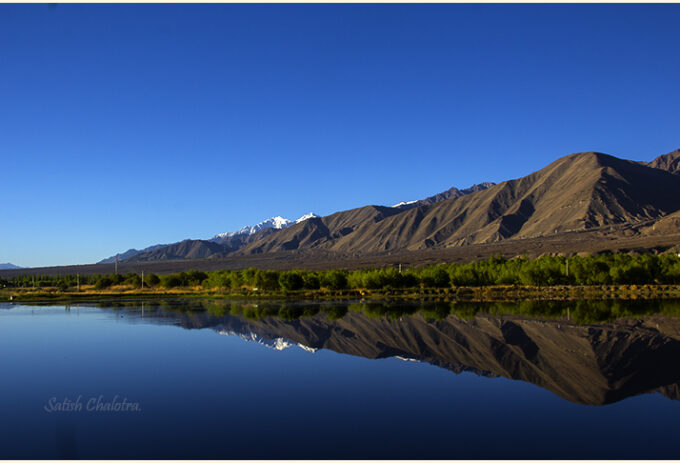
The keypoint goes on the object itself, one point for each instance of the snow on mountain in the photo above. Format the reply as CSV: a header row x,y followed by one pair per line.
x,y
405,203
277,223
309,215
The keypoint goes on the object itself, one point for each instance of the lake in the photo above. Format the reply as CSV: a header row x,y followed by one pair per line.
x,y
234,380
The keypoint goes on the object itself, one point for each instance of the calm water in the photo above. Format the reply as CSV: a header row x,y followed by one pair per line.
x,y
239,380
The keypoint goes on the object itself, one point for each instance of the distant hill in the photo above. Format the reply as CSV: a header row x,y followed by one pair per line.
x,y
8,266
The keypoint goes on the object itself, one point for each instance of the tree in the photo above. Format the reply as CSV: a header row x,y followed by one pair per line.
x,y
171,281
291,281
311,281
435,277
334,279
151,279
267,279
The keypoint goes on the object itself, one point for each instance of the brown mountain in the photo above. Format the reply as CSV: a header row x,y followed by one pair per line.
x,y
321,231
187,249
310,231
452,192
577,192
235,242
669,162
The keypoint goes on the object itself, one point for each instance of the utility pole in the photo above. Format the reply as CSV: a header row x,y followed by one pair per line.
x,y
142,279
567,267
78,281
116,267
33,281
399,268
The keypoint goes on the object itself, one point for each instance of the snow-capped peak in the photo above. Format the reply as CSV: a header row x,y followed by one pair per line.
x,y
275,222
309,215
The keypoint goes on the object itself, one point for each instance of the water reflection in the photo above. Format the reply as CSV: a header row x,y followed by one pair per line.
x,y
564,351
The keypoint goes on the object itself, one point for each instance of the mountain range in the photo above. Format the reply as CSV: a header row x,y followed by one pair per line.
x,y
188,249
576,193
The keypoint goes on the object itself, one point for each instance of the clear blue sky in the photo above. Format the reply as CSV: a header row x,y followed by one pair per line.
x,y
129,125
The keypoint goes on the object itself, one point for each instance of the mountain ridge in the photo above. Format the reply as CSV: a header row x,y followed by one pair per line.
x,y
452,192
669,162
234,241
574,193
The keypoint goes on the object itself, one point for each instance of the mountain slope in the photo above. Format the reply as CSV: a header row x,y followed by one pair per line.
x,y
452,192
669,162
576,192
187,249
320,230
274,222
130,253
228,242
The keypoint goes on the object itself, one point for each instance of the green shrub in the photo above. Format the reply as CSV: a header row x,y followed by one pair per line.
x,y
103,283
171,281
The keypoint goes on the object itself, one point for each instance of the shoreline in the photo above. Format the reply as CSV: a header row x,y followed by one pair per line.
x,y
462,293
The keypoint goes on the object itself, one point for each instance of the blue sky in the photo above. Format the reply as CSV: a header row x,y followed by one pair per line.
x,y
129,125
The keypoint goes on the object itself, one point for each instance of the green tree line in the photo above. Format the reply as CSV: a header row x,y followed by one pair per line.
x,y
605,269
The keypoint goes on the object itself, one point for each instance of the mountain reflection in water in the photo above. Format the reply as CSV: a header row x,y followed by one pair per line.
x,y
586,363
